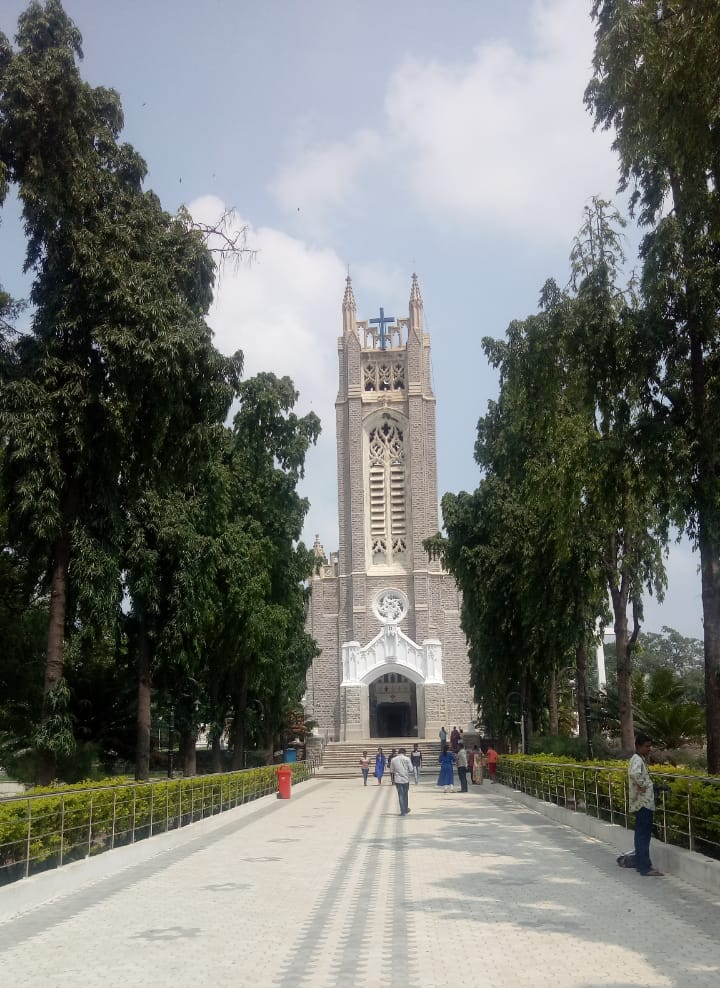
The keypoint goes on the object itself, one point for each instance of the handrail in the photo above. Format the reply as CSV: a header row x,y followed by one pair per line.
x,y
39,831
687,812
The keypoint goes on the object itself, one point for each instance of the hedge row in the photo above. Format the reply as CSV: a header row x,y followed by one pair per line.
x,y
687,811
51,826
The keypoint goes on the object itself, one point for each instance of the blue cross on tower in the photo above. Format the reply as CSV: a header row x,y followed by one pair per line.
x,y
382,322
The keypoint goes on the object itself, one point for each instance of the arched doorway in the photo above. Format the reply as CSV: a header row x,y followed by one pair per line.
x,y
393,707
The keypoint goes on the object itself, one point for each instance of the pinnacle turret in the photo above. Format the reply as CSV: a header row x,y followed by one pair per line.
x,y
416,306
318,550
348,307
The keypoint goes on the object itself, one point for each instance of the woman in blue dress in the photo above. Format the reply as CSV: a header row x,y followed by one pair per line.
x,y
380,763
445,779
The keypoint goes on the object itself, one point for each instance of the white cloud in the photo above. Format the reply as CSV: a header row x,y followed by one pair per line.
x,y
281,308
322,179
502,140
284,311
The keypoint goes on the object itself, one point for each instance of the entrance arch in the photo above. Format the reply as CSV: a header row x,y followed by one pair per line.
x,y
393,707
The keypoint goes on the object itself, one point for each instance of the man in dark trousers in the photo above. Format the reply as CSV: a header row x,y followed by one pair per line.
x,y
642,804
402,767
462,766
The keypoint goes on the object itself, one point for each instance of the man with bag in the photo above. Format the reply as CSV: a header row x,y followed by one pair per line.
x,y
642,804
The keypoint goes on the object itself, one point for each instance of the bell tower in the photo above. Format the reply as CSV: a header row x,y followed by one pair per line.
x,y
399,663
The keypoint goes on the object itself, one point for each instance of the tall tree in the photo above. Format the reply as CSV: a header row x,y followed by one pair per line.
x,y
656,84
621,496
272,651
565,505
119,359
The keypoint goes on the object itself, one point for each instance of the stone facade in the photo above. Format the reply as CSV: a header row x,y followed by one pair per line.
x,y
394,658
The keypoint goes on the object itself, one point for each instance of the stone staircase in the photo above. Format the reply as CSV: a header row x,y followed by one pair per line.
x,y
341,759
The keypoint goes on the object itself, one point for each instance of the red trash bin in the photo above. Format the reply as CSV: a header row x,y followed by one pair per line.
x,y
284,781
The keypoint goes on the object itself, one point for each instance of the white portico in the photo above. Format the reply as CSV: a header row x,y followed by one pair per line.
x,y
391,671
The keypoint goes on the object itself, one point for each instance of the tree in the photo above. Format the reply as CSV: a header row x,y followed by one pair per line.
x,y
664,711
119,363
565,505
667,650
23,626
517,546
271,650
621,495
655,83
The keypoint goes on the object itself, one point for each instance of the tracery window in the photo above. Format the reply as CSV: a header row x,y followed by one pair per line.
x,y
388,521
384,377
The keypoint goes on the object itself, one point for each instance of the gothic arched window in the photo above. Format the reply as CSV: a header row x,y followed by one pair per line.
x,y
386,472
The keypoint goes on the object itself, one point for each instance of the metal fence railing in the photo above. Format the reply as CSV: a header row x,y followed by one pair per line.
x,y
687,807
48,830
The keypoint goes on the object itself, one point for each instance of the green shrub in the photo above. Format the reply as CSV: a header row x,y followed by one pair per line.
x,y
64,822
687,815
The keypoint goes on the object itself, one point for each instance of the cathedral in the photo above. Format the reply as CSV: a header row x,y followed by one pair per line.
x,y
393,659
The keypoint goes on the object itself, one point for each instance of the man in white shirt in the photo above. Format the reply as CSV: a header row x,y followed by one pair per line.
x,y
403,770
642,804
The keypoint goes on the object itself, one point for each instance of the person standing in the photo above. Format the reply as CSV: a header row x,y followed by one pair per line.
x,y
442,734
365,767
462,766
402,770
475,759
380,763
416,759
642,804
454,739
492,757
446,778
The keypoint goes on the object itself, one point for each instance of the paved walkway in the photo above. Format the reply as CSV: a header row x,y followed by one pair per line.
x,y
334,888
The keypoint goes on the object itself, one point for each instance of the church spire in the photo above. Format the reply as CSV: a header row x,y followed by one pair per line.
x,y
416,306
348,308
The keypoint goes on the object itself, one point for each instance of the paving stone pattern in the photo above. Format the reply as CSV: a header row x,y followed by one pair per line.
x,y
335,888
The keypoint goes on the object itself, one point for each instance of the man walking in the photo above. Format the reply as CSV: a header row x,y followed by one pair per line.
x,y
402,767
462,766
642,804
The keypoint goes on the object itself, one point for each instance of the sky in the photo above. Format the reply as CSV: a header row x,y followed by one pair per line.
x,y
380,138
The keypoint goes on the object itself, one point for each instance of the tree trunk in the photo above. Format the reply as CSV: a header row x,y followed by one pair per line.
x,y
215,720
710,570
241,695
619,585
705,441
238,737
624,680
188,742
270,740
216,755
144,705
54,657
553,705
56,624
581,688
702,323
